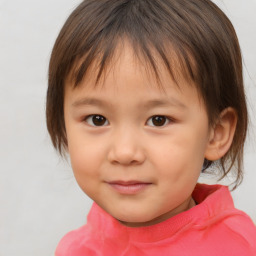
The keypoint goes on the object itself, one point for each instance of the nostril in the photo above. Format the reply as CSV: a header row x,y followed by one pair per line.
x,y
125,157
124,160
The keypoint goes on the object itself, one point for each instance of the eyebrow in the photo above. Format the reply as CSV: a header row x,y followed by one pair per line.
x,y
146,104
164,102
90,101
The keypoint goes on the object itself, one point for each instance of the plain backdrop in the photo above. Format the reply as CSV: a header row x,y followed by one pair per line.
x,y
39,198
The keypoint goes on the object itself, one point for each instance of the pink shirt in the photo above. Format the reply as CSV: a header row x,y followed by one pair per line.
x,y
211,228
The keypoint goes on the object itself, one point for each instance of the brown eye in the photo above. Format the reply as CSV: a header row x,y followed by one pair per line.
x,y
157,121
97,120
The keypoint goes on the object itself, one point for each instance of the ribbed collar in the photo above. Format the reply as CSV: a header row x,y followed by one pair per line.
x,y
212,200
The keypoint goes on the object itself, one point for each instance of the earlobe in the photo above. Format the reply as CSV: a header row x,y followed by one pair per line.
x,y
221,135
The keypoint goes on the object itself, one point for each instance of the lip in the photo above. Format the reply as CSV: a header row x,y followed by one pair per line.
x,y
129,187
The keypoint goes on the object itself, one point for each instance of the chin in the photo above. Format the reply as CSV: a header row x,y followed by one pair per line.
x,y
134,219
131,215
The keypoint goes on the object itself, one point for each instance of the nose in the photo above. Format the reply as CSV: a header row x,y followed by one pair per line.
x,y
126,148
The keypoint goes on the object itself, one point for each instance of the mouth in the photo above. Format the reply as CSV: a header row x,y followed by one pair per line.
x,y
129,187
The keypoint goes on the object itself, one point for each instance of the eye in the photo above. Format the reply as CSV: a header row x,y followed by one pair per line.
x,y
158,121
96,120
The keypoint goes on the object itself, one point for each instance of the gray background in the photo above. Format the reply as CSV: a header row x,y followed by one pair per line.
x,y
39,198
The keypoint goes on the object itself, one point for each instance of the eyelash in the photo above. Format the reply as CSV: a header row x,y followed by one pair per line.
x,y
159,118
91,119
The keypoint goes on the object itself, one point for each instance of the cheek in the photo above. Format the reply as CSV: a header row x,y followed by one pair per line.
x,y
83,149
182,153
85,165
84,160
83,154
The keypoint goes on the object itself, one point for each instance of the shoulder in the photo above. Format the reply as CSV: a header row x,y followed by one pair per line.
x,y
233,232
223,227
240,225
73,243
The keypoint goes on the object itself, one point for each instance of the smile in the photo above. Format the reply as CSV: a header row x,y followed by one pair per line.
x,y
129,187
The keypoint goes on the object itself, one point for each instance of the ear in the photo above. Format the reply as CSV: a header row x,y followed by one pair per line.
x,y
221,135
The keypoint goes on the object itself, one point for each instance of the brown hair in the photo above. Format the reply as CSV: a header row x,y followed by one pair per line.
x,y
197,31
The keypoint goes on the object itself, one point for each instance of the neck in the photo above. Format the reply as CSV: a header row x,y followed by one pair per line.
x,y
188,204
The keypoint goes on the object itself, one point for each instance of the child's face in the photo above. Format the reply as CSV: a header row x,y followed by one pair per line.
x,y
136,150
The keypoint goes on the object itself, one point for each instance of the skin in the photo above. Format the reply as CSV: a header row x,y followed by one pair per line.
x,y
128,146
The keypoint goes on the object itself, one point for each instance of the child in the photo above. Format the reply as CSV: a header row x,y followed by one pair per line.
x,y
143,95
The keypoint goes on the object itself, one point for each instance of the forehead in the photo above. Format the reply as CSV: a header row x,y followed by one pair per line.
x,y
127,74
151,66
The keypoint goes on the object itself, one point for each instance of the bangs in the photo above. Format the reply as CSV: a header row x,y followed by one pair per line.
x,y
191,39
153,52
156,30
